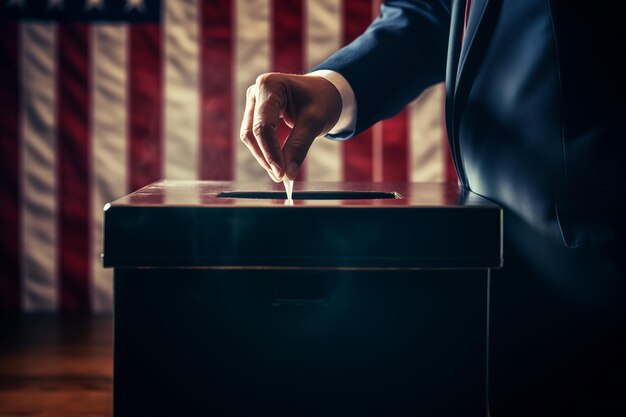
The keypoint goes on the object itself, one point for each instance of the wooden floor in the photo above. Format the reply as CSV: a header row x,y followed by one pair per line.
x,y
53,366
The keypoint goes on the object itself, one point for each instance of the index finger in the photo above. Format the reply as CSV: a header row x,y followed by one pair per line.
x,y
246,135
270,101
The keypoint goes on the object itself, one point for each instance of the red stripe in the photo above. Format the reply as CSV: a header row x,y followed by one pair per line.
x,y
395,153
216,135
9,168
287,46
287,36
395,132
145,105
358,155
73,169
448,162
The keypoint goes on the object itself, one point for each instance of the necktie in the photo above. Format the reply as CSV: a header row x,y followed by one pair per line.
x,y
468,5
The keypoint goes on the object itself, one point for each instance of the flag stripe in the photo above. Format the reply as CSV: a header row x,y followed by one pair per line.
x,y
73,169
109,138
287,47
395,153
358,152
182,89
217,138
145,104
377,151
378,132
9,168
427,141
287,36
38,162
252,58
448,162
120,104
324,28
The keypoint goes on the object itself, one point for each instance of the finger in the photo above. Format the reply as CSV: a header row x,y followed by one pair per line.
x,y
297,146
245,132
270,101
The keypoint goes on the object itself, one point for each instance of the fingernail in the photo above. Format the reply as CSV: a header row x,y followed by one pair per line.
x,y
275,170
292,171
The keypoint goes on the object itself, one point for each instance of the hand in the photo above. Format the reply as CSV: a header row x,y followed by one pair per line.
x,y
310,106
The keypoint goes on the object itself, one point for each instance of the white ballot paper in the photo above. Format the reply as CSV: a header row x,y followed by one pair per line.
x,y
289,189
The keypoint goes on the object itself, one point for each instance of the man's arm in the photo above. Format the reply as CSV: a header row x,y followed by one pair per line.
x,y
402,53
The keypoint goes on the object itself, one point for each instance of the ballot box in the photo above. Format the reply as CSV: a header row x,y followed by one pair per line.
x,y
357,300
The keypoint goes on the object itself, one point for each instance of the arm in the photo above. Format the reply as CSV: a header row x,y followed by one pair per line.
x,y
402,53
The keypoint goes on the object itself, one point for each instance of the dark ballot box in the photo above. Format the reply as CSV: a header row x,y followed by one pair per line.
x,y
357,300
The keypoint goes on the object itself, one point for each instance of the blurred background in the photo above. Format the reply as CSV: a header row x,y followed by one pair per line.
x,y
101,97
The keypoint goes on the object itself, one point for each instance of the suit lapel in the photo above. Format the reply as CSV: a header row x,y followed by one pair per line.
x,y
454,51
462,58
477,13
483,17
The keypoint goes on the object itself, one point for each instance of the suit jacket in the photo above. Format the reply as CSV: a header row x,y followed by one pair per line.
x,y
534,100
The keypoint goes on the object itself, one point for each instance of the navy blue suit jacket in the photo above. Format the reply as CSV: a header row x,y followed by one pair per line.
x,y
534,100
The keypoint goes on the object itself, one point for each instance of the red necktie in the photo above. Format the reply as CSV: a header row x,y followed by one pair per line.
x,y
468,5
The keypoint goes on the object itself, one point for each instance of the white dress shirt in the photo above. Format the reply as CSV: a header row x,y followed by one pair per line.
x,y
344,128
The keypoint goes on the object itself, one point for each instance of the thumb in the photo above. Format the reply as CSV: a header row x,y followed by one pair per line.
x,y
297,146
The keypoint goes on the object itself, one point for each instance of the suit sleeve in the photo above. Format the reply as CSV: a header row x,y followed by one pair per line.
x,y
399,55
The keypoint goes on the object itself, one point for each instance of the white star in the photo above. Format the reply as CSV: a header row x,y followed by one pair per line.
x,y
138,5
20,4
55,4
94,4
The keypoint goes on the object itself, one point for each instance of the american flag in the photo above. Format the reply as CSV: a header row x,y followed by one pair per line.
x,y
101,97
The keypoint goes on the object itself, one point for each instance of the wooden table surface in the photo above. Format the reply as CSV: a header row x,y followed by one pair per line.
x,y
56,366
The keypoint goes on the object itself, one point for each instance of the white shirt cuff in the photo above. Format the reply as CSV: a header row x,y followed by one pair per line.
x,y
347,120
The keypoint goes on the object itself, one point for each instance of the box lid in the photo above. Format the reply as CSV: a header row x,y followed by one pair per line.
x,y
330,225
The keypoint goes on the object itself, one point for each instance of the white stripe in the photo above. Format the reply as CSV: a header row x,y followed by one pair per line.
x,y
182,89
427,139
38,179
377,129
252,58
109,143
324,28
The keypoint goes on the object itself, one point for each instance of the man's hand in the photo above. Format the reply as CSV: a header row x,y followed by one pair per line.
x,y
310,106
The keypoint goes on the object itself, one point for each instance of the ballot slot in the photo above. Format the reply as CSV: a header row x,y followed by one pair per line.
x,y
312,195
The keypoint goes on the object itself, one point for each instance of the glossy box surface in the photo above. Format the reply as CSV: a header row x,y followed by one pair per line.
x,y
340,305
190,224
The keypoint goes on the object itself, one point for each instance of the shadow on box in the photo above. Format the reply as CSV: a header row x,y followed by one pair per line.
x,y
307,343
